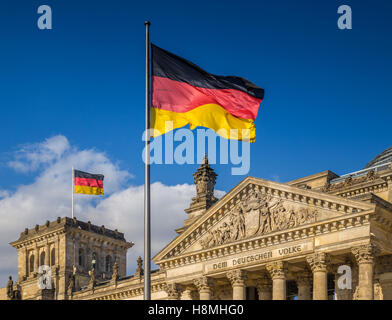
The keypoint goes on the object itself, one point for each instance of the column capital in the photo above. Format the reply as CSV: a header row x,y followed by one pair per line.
x,y
173,290
365,253
203,283
318,261
237,277
277,269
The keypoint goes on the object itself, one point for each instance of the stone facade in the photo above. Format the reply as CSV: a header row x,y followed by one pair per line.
x,y
69,249
263,240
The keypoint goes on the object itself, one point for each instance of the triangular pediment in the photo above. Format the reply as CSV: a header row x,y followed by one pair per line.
x,y
256,207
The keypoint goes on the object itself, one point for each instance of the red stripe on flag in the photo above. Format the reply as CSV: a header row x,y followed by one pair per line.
x,y
182,97
89,182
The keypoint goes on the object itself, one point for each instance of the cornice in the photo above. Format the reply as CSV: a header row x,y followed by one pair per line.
x,y
277,238
117,293
38,238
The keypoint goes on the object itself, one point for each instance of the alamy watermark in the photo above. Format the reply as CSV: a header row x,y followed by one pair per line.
x,y
45,277
345,20
45,20
179,147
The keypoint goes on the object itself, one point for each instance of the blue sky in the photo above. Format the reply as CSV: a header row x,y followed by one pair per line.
x,y
327,100
327,91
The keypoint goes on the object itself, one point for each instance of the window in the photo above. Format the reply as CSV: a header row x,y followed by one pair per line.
x,y
108,264
31,269
53,257
42,258
81,257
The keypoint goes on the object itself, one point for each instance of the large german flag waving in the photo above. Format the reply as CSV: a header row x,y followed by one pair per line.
x,y
185,94
88,183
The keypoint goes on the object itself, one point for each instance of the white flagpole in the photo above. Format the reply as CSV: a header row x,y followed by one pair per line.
x,y
73,190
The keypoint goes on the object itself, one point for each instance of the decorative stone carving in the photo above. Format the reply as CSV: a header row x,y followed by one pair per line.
x,y
203,283
257,214
115,275
204,179
378,295
348,181
237,277
92,281
277,269
173,290
71,285
371,175
365,253
10,288
318,261
139,269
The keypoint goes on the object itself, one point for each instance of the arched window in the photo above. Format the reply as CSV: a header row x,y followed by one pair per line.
x,y
108,264
53,257
42,258
81,257
31,263
94,261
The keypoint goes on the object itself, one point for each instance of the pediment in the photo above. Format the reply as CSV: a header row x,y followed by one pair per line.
x,y
257,207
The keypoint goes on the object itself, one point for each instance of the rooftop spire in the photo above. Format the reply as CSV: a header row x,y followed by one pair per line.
x,y
204,179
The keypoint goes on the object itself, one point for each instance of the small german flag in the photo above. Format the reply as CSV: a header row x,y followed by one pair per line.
x,y
88,183
186,94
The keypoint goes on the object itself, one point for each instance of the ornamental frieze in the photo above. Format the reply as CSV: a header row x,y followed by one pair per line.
x,y
258,214
371,175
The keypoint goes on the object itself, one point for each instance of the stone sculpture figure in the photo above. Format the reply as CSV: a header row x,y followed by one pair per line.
x,y
256,215
10,288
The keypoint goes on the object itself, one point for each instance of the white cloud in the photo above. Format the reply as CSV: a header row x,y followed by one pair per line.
x,y
30,156
49,196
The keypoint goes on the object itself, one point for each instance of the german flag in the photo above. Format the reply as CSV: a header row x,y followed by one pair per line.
x,y
185,94
88,183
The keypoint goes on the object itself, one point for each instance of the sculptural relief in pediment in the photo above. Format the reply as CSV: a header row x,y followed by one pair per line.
x,y
258,214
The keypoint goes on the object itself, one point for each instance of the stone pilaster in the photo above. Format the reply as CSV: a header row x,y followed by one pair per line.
x,y
278,271
364,255
173,291
205,287
264,287
37,258
47,255
318,263
304,284
237,279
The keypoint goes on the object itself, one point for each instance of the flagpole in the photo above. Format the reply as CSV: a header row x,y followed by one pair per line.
x,y
73,189
147,226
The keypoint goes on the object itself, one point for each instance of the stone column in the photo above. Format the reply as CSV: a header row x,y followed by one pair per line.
x,y
204,285
264,287
278,270
173,291
304,284
237,279
364,255
318,263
